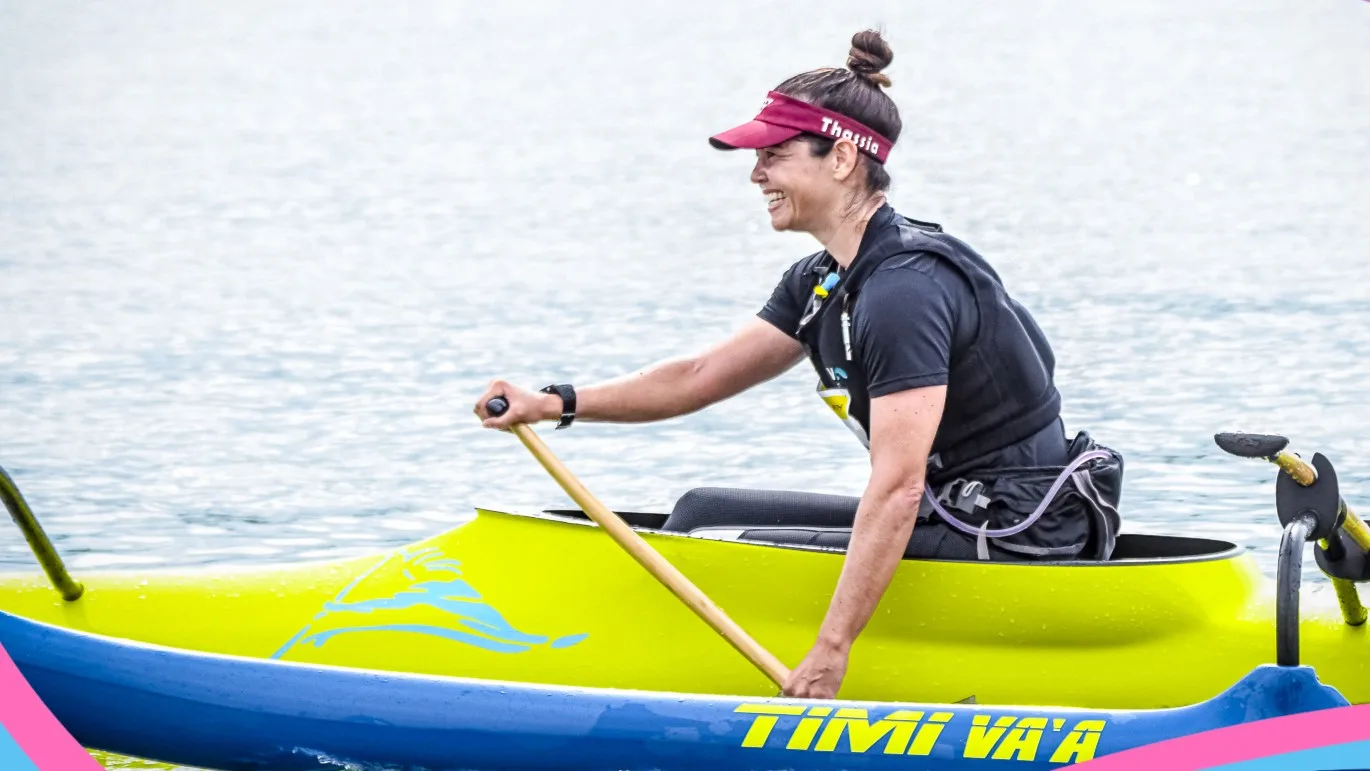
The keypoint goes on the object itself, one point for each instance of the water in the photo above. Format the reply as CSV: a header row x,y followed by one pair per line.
x,y
258,261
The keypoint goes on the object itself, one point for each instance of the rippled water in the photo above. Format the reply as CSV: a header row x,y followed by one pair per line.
x,y
258,260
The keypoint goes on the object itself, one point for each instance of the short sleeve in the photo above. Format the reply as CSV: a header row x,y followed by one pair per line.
x,y
903,326
786,305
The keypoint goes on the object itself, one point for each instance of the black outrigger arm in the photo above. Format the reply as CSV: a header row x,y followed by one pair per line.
x,y
42,548
1310,508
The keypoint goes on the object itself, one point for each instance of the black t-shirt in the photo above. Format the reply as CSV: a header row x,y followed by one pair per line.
x,y
915,315
912,315
925,310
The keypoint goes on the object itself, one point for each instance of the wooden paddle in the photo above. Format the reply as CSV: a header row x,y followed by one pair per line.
x,y
43,549
641,551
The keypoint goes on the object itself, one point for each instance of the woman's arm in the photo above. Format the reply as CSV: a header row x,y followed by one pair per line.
x,y
754,354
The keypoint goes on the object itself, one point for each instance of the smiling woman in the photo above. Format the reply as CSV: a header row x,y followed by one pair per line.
x,y
919,349
801,122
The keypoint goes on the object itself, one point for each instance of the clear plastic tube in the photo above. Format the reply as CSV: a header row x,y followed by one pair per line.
x,y
1025,524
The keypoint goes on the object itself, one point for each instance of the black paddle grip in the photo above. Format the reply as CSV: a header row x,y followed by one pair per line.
x,y
496,406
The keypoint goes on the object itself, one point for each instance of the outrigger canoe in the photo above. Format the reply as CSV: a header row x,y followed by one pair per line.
x,y
523,640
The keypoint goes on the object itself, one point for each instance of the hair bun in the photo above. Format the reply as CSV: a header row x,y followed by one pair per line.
x,y
869,55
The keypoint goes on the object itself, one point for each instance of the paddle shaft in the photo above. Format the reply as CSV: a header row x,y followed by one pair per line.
x,y
650,559
43,549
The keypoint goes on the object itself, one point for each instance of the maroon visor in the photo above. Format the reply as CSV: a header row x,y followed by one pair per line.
x,y
783,118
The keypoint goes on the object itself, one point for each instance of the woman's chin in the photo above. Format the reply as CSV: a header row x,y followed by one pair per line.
x,y
780,218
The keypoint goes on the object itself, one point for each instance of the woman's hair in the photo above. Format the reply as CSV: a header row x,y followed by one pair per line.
x,y
855,92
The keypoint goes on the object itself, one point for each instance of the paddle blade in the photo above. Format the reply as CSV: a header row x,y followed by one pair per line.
x,y
1251,445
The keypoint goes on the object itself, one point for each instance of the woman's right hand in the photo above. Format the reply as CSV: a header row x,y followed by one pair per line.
x,y
524,406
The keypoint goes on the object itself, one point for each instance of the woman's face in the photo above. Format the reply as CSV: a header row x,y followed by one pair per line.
x,y
800,188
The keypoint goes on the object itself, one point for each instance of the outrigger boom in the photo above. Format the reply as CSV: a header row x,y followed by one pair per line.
x,y
38,540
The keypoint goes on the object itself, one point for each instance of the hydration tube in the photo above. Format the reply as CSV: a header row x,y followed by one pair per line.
x,y
1025,524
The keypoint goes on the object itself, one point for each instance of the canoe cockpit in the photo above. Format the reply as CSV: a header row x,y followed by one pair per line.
x,y
1130,548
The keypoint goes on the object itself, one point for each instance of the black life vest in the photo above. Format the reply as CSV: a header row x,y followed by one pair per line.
x,y
999,389
999,393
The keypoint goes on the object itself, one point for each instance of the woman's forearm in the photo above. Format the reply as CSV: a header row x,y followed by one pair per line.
x,y
661,391
675,387
880,535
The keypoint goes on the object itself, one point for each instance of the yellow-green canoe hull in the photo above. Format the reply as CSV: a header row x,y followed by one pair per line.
x,y
552,599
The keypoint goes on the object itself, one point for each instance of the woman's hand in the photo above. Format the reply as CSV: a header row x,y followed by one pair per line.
x,y
820,674
524,406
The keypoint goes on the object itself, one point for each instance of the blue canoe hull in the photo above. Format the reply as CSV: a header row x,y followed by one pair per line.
x,y
234,713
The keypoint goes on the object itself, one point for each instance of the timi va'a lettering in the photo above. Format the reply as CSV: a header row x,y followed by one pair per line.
x,y
914,732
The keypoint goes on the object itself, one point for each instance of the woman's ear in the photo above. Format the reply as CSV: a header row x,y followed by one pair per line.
x,y
845,159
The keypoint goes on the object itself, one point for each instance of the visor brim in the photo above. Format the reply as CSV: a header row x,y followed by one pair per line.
x,y
753,135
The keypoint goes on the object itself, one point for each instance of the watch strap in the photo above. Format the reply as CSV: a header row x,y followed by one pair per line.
x,y
568,402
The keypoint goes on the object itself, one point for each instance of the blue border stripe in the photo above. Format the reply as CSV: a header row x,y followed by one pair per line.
x,y
12,757
1352,756
209,711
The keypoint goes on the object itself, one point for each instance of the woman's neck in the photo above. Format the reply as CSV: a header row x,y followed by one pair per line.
x,y
843,237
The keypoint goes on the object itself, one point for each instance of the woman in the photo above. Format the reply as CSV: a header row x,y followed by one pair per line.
x,y
919,350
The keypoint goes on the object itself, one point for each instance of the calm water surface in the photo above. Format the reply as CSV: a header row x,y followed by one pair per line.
x,y
257,261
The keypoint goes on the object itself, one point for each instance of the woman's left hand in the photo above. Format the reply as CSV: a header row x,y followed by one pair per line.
x,y
819,675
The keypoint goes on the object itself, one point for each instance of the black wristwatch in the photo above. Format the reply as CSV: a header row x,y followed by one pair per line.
x,y
568,402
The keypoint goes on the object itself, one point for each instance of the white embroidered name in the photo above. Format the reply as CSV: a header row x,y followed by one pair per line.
x,y
834,129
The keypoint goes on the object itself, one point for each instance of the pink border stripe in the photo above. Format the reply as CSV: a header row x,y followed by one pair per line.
x,y
1248,741
32,725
